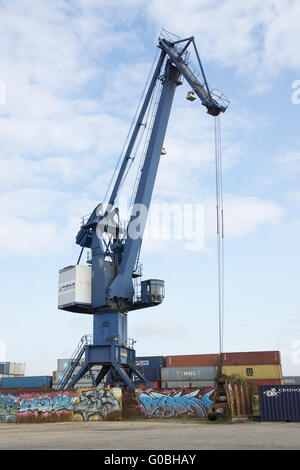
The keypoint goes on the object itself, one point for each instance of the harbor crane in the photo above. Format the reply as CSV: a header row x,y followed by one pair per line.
x,y
109,285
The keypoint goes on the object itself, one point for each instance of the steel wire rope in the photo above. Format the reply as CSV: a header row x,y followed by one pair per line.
x,y
130,129
220,232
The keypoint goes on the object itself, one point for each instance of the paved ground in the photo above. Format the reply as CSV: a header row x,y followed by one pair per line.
x,y
150,435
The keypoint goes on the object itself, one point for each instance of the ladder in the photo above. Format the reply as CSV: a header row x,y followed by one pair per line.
x,y
74,362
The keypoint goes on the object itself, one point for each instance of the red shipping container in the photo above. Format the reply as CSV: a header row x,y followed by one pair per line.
x,y
229,359
194,360
252,357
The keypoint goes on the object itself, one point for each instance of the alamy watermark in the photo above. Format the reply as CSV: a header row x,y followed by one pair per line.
x,y
296,93
162,222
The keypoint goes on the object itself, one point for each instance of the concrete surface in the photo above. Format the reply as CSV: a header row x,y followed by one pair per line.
x,y
149,435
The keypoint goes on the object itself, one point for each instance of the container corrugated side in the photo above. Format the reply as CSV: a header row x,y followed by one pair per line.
x,y
63,364
26,382
16,368
84,381
251,357
154,362
12,368
188,373
193,360
291,380
279,403
271,371
4,367
150,374
229,358
188,384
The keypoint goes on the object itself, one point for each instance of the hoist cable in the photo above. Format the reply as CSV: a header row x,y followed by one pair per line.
x,y
137,145
130,130
220,232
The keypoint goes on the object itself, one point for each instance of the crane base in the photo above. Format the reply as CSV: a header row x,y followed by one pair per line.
x,y
118,366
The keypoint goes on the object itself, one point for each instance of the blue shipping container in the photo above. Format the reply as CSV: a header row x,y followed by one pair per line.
x,y
154,362
4,367
38,381
150,367
150,374
279,402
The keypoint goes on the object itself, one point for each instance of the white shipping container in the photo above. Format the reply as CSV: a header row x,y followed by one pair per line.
x,y
85,381
63,364
16,368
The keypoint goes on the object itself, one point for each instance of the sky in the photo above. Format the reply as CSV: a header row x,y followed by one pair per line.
x,y
71,76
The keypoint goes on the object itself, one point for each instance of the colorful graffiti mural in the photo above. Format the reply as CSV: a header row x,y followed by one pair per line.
x,y
53,406
104,404
176,403
8,408
167,403
79,405
98,405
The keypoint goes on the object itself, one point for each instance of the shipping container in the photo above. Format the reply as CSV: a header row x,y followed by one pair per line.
x,y
279,403
291,380
252,357
231,358
172,374
63,364
4,367
188,384
149,367
150,374
85,380
26,382
271,371
16,368
194,360
154,362
12,368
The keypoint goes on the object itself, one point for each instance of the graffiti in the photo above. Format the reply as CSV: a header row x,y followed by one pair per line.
x,y
171,404
98,404
53,406
47,403
101,404
8,407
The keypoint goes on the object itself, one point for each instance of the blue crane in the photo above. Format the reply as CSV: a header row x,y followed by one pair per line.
x,y
106,286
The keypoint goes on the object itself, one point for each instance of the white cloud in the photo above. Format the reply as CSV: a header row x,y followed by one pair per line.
x,y
257,38
64,121
242,215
